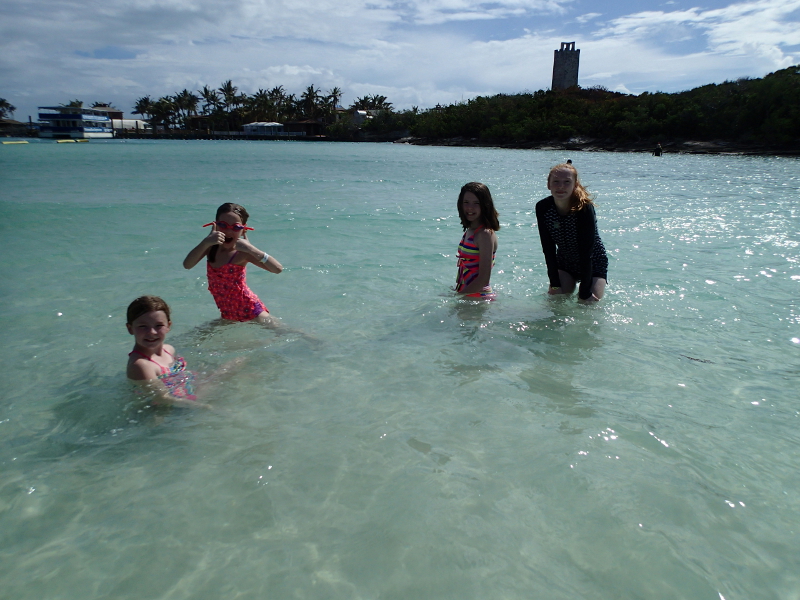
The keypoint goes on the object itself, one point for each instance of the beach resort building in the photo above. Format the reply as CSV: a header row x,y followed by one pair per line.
x,y
74,122
263,128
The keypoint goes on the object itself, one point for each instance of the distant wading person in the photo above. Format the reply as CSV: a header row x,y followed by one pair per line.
x,y
571,243
479,243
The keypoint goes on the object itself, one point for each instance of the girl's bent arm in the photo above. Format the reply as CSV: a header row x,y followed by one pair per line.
x,y
256,257
156,389
548,245
198,252
195,255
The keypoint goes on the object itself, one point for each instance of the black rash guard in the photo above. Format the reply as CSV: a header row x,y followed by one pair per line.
x,y
571,243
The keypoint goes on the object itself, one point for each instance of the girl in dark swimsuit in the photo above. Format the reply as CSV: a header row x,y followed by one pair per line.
x,y
571,243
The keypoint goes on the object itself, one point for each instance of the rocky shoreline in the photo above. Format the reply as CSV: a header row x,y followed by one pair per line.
x,y
594,145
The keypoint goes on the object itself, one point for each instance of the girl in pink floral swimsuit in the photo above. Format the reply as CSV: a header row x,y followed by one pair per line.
x,y
228,251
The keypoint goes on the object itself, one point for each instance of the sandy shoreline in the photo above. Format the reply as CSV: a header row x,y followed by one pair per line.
x,y
594,145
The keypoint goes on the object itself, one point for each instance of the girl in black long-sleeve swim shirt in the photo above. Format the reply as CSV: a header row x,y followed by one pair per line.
x,y
571,244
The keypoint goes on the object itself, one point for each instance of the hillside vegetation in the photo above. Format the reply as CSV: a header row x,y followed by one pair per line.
x,y
756,111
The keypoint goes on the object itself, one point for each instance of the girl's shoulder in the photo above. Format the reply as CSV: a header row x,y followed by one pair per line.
x,y
484,235
545,203
140,368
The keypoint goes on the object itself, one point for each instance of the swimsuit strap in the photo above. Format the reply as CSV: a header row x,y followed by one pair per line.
x,y
235,252
162,367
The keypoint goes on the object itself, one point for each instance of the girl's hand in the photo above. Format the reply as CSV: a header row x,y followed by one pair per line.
x,y
215,238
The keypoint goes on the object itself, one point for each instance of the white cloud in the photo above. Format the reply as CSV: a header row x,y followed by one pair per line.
x,y
416,52
738,29
588,17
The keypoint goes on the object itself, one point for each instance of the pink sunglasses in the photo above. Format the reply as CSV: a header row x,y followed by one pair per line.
x,y
223,225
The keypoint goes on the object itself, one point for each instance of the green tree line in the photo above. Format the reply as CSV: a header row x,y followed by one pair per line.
x,y
765,110
749,110
225,108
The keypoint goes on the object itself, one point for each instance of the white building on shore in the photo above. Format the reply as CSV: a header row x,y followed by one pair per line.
x,y
74,122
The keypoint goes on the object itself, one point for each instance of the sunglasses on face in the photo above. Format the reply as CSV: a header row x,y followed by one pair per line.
x,y
223,226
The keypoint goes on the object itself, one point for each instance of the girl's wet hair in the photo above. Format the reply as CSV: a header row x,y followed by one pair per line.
x,y
226,208
145,304
580,195
489,216
234,208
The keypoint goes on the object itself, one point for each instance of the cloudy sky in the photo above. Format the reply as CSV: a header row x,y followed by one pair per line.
x,y
415,52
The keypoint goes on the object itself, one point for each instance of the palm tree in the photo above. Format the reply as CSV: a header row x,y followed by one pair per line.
x,y
330,102
279,99
228,91
261,107
186,101
335,96
6,109
143,106
290,107
375,102
210,99
308,103
163,112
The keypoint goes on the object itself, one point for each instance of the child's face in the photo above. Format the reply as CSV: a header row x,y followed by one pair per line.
x,y
150,330
561,184
231,218
471,207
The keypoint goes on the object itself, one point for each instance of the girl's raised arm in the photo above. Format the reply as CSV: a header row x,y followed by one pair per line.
x,y
198,252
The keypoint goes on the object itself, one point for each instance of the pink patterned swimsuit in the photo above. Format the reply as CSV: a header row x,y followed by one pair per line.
x,y
235,300
177,379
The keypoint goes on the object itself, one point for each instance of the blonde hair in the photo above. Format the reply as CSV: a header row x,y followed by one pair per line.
x,y
580,195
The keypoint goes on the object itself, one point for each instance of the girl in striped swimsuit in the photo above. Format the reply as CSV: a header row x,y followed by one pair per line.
x,y
478,246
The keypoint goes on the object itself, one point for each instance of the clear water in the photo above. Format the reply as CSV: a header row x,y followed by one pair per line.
x,y
645,447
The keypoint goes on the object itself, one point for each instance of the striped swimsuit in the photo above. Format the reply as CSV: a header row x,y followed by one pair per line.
x,y
468,265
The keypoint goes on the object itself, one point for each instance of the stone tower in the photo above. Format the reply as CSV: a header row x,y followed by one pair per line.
x,y
565,66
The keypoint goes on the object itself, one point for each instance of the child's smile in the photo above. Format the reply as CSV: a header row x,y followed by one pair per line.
x,y
150,330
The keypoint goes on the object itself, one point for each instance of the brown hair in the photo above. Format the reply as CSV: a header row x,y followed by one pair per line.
x,y
225,208
146,304
489,216
580,195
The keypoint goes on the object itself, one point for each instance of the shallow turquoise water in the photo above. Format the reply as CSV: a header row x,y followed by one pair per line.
x,y
645,447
